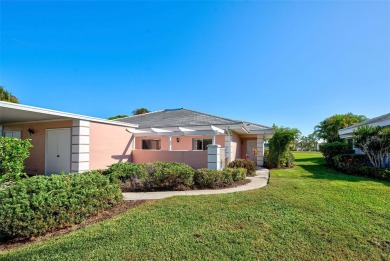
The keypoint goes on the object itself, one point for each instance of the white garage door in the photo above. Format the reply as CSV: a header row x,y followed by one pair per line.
x,y
58,145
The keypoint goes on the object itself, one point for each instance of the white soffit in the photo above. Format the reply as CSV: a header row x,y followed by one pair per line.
x,y
185,129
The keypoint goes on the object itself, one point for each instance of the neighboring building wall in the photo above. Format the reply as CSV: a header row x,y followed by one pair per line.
x,y
109,144
196,159
185,142
35,164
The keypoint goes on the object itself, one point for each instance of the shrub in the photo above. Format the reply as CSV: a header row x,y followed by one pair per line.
x,y
279,146
126,170
13,153
348,160
329,150
374,141
285,161
247,164
236,174
368,171
209,178
36,205
169,175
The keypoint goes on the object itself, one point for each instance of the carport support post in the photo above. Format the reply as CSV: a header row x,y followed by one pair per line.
x,y
214,157
260,150
170,142
80,146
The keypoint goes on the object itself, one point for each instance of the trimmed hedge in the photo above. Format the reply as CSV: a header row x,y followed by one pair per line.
x,y
359,165
332,149
207,178
247,164
152,176
132,176
40,204
169,175
237,174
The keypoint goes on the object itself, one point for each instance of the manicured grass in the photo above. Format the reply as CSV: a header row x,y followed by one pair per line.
x,y
309,212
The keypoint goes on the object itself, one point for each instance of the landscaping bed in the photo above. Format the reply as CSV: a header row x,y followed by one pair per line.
x,y
100,216
174,176
34,206
233,185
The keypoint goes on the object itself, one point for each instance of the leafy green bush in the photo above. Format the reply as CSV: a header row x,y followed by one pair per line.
x,y
126,170
330,150
285,161
359,165
169,175
348,160
374,141
13,153
40,204
208,178
247,164
279,147
368,171
236,174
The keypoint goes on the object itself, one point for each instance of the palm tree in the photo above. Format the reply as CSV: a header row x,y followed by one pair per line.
x,y
7,96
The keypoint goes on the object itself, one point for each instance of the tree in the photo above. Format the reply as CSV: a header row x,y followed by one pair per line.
x,y
374,141
309,142
328,129
7,96
117,117
279,146
140,111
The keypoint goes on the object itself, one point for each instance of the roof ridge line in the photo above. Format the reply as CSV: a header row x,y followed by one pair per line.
x,y
208,114
132,116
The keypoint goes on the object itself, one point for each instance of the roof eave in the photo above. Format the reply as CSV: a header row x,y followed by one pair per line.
x,y
61,114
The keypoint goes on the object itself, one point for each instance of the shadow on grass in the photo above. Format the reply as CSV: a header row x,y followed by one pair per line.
x,y
314,159
324,172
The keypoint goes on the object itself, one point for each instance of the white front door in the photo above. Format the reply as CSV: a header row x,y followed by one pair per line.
x,y
58,146
250,149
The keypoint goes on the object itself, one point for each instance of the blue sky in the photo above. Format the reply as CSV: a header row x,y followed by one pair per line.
x,y
292,63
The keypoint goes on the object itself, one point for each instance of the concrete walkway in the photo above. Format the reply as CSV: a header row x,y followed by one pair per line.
x,y
258,181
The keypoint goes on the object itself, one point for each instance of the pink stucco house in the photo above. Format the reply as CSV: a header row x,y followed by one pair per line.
x,y
66,142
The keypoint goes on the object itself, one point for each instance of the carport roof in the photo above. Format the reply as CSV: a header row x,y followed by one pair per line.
x,y
12,113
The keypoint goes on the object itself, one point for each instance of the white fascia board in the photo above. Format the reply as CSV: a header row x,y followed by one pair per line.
x,y
22,107
138,131
348,132
160,130
177,133
265,131
216,129
185,129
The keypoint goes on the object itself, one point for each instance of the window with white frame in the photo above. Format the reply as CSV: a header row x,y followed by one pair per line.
x,y
13,134
151,144
201,144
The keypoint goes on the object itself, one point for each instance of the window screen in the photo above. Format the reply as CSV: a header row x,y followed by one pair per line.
x,y
151,144
201,144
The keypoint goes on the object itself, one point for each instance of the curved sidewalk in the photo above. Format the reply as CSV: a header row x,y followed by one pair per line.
x,y
258,181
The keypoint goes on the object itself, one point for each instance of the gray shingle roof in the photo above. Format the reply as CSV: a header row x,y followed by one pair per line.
x,y
182,118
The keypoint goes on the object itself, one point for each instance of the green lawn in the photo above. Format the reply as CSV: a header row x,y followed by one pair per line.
x,y
309,212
